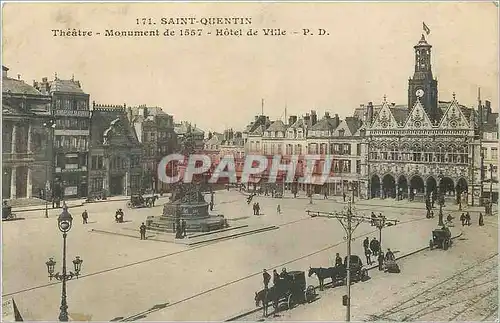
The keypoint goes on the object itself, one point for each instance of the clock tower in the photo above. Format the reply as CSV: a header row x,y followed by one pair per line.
x,y
423,86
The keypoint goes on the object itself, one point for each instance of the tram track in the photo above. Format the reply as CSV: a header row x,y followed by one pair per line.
x,y
448,292
277,266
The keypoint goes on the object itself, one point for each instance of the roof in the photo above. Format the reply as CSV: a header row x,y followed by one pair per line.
x,y
17,87
183,127
324,124
400,114
258,131
67,86
101,121
298,124
491,124
353,124
277,125
234,142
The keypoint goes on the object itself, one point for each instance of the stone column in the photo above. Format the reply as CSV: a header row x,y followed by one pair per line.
x,y
425,192
29,185
106,178
13,178
409,192
397,191
381,192
14,136
28,145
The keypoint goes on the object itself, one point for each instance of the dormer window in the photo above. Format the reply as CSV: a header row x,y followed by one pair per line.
x,y
341,133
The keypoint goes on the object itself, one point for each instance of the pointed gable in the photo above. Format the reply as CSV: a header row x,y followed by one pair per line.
x,y
385,118
454,117
342,130
418,118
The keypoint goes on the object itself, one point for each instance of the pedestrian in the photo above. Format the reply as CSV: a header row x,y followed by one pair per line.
x,y
85,216
467,218
267,279
257,208
211,206
142,230
462,219
366,243
368,256
278,209
338,260
380,261
481,219
326,195
389,256
343,196
374,246
183,228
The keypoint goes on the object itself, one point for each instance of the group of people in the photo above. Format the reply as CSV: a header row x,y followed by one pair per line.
x,y
180,229
256,208
277,278
119,216
371,248
465,219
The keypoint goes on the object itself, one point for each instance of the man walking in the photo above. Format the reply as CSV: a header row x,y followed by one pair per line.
x,y
374,246
85,216
183,228
481,219
366,243
142,230
278,209
467,218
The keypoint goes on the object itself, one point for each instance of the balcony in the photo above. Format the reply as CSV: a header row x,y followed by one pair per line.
x,y
19,157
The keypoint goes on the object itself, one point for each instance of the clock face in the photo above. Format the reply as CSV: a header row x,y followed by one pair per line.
x,y
419,93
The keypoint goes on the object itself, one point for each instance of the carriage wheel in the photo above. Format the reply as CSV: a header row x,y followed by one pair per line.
x,y
289,301
310,293
431,245
129,204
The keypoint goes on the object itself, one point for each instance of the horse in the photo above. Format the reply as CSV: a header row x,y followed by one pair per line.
x,y
265,297
333,273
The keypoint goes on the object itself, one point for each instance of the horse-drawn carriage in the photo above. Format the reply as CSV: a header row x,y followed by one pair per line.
x,y
291,289
138,201
338,274
441,238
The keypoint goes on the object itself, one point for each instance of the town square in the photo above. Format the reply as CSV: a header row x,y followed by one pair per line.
x,y
276,176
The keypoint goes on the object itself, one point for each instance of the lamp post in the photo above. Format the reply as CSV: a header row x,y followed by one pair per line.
x,y
441,200
64,222
50,125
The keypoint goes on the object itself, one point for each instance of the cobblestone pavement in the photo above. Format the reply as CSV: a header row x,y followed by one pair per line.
x,y
124,276
460,284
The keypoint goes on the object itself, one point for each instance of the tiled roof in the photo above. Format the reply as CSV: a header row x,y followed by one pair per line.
x,y
101,121
324,124
17,87
277,125
258,131
298,124
67,86
400,114
182,128
353,124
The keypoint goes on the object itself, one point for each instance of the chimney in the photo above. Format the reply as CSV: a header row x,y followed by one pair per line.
x,y
78,84
314,118
19,76
44,80
336,121
256,118
488,105
327,115
4,71
307,120
370,113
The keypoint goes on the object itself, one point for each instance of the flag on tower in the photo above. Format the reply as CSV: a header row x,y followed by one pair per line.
x,y
426,29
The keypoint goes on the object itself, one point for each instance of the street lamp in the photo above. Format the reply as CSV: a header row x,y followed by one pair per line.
x,y
50,125
441,200
64,222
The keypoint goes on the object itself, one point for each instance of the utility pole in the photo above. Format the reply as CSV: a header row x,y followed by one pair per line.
x,y
349,220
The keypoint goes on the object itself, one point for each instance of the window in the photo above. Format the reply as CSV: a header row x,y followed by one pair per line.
x,y
358,166
494,153
347,149
341,133
358,149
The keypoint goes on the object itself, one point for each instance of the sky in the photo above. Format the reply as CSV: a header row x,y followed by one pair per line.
x,y
218,82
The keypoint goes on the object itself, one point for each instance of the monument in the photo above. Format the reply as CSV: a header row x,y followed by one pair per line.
x,y
187,204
